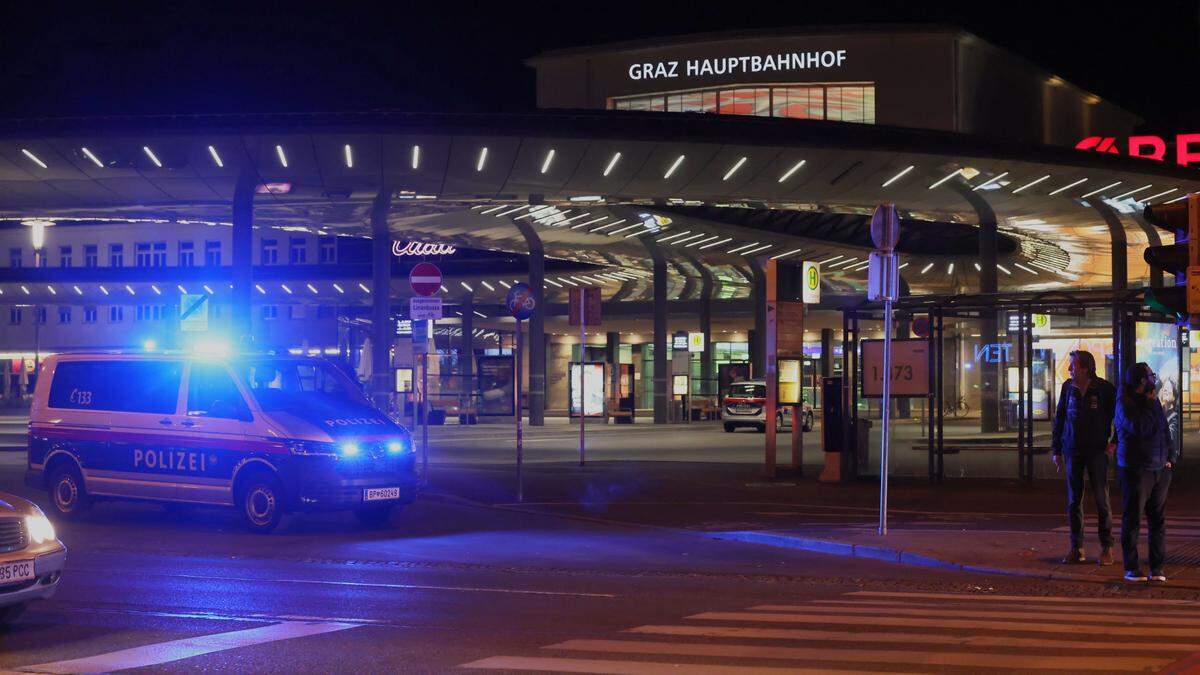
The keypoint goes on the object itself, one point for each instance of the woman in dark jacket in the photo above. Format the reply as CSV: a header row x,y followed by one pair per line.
x,y
1145,457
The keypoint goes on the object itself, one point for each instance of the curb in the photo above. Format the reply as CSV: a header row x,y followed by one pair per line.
x,y
902,557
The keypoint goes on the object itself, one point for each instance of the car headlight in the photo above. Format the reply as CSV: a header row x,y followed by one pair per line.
x,y
39,528
313,448
398,446
350,449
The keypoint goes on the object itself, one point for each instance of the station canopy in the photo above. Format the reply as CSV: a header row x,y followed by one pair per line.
x,y
602,188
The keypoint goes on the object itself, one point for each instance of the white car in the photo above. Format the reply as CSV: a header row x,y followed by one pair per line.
x,y
31,556
745,406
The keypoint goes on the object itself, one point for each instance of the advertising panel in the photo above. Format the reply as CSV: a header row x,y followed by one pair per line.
x,y
496,377
910,368
789,381
1157,345
594,396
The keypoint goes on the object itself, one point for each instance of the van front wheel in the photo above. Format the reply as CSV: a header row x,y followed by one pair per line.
x,y
261,502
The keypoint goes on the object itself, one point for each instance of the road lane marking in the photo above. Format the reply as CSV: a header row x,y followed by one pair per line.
x,y
175,650
1022,598
1091,618
911,638
1055,610
1025,627
873,656
367,584
559,665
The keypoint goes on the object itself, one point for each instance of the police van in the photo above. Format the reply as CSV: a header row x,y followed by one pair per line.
x,y
264,434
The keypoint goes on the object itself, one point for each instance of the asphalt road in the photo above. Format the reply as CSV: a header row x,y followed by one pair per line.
x,y
488,587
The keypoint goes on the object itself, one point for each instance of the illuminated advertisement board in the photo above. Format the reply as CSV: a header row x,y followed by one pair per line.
x,y
594,395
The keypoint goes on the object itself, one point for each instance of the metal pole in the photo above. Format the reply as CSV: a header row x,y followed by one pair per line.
x,y
425,417
886,404
517,407
582,372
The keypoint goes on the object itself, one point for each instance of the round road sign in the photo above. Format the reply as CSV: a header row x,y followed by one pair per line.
x,y
425,279
521,302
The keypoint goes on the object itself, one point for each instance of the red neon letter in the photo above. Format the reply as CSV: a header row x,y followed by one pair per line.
x,y
1158,145
1183,149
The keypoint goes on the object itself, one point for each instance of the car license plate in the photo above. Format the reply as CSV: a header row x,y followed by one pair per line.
x,y
379,494
13,572
745,409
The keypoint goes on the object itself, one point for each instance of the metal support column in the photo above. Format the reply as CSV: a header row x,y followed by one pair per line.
x,y
537,324
826,352
243,255
708,385
989,373
758,336
466,357
662,380
381,299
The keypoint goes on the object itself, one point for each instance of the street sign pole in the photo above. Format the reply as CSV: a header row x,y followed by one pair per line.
x,y
582,373
883,282
517,407
425,418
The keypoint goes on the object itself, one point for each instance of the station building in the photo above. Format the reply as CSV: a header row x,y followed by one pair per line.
x,y
668,173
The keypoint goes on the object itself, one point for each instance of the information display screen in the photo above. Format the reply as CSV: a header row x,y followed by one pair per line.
x,y
593,396
910,368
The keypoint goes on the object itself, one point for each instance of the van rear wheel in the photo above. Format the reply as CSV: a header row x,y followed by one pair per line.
x,y
261,502
67,494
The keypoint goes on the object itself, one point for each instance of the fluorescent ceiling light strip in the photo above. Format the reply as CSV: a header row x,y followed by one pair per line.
x,y
34,158
898,176
638,234
743,247
926,268
479,163
1177,199
541,208
943,180
715,243
758,250
1160,194
153,158
546,162
311,288
989,181
348,152
487,285
1098,191
581,280
553,283
519,208
784,255
978,268
416,157
1031,183
95,160
691,238
285,288
612,163
733,169
467,286
1027,269
794,169
282,157
574,218
899,268
212,152
950,268
1004,269
669,237
623,229
364,287
1133,192
479,314
844,263
568,281
492,209
605,227
702,241
593,221
543,217
505,284
1068,186
675,165
829,260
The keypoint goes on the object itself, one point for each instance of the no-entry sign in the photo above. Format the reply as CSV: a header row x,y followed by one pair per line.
x,y
425,279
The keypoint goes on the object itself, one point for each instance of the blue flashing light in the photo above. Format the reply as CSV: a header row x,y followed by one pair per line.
x,y
395,447
350,449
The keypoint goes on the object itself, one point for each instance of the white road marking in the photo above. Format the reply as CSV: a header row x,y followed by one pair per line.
x,y
1023,627
175,650
1055,610
1089,618
544,664
987,597
875,656
913,638
367,584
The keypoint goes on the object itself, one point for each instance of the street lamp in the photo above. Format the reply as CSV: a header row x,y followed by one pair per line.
x,y
37,235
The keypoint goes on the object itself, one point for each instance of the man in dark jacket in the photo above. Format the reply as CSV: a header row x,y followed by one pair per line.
x,y
1082,428
1146,455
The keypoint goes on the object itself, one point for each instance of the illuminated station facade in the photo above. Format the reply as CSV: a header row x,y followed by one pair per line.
x,y
667,173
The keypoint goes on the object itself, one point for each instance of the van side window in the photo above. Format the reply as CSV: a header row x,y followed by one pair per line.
x,y
212,393
145,386
80,385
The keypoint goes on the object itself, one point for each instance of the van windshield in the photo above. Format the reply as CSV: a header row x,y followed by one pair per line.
x,y
289,384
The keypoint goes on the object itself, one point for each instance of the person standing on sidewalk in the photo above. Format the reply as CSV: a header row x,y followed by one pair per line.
x,y
1145,459
1082,428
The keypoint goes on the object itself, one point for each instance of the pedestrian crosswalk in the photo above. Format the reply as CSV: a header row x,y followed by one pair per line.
x,y
1178,527
883,631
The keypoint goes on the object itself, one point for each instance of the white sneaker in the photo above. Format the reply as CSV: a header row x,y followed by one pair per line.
x,y
1158,576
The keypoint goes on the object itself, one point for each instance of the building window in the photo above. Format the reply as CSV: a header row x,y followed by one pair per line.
x,y
64,256
270,251
64,315
150,313
836,102
14,316
14,257
212,253
296,311
297,251
116,314
116,255
91,255
187,254
89,315
39,315
328,250
270,312
151,254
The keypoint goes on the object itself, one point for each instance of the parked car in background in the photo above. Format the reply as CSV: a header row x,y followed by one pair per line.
x,y
745,406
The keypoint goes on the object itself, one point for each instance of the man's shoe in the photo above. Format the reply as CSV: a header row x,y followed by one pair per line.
x,y
1157,575
1134,575
1106,556
1074,557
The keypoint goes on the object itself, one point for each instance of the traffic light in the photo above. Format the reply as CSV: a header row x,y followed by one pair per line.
x,y
1181,259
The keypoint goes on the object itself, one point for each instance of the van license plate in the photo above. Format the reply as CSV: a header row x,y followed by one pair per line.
x,y
379,494
12,572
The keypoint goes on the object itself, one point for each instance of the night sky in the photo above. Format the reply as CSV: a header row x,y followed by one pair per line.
x,y
122,58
